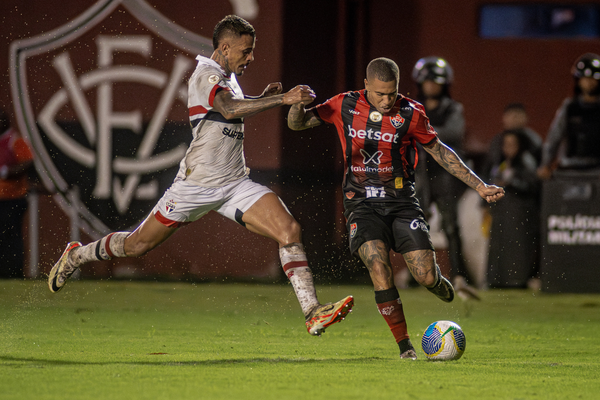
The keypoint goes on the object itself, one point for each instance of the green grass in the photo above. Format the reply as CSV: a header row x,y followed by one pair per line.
x,y
140,340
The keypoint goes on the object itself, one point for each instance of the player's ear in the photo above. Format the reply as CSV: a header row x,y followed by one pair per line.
x,y
224,46
366,84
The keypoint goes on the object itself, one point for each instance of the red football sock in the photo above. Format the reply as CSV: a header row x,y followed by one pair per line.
x,y
392,312
394,316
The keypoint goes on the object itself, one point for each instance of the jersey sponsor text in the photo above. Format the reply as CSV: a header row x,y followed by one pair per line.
x,y
373,135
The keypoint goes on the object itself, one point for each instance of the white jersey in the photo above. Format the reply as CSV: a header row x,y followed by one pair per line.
x,y
216,155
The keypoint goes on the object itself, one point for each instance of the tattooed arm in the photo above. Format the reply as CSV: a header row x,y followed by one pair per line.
x,y
448,159
231,108
300,118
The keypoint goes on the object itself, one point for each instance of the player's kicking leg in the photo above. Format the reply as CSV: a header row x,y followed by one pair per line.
x,y
425,270
324,315
269,217
318,316
75,255
117,244
63,269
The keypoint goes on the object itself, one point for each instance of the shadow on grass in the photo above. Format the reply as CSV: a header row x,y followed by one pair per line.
x,y
17,361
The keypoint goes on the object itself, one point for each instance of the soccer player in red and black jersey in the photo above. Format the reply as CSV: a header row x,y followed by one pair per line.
x,y
378,129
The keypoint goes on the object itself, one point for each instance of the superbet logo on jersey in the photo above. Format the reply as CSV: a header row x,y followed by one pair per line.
x,y
103,100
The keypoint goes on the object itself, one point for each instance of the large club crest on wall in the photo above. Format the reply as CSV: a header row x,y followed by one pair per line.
x,y
103,100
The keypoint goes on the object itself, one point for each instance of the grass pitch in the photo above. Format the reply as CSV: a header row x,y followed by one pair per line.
x,y
140,340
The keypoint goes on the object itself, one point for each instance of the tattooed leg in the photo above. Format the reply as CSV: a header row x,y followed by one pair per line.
x,y
422,265
376,256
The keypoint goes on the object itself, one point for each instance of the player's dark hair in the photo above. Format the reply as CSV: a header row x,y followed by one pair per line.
x,y
383,69
232,25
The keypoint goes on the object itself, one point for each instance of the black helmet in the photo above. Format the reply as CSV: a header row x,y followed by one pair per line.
x,y
433,68
587,65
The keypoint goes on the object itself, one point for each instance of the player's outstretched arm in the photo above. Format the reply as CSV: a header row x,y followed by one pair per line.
x,y
232,108
452,163
300,118
271,90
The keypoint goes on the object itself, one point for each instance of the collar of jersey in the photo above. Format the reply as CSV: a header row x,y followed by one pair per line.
x,y
208,61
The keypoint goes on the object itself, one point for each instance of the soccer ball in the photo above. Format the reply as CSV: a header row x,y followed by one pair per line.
x,y
443,341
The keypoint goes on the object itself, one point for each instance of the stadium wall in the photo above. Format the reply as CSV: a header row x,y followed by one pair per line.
x,y
326,45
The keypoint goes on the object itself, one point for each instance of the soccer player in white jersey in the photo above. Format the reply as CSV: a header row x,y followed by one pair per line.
x,y
213,176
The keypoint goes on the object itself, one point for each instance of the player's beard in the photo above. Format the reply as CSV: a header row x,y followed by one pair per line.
x,y
244,66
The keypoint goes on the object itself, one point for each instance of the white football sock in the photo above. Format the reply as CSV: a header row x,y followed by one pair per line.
x,y
295,265
109,246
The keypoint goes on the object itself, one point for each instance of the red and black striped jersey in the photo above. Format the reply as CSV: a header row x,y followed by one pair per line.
x,y
379,150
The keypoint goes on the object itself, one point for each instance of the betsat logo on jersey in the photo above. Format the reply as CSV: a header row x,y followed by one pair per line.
x,y
373,135
108,122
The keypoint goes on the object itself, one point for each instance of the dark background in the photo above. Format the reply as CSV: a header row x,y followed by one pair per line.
x,y
327,45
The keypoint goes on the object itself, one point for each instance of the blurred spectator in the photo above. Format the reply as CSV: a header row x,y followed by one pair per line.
x,y
573,141
515,117
513,259
15,159
434,76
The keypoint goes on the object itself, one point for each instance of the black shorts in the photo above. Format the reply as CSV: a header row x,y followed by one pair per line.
x,y
401,229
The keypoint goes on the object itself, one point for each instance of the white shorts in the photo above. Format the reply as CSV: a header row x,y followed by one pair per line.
x,y
185,202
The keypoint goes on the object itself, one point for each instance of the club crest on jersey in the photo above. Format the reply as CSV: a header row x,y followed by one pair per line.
x,y
352,230
350,195
375,116
397,121
170,206
213,79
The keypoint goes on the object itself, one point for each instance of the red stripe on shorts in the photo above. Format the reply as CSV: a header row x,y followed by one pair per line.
x,y
167,222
